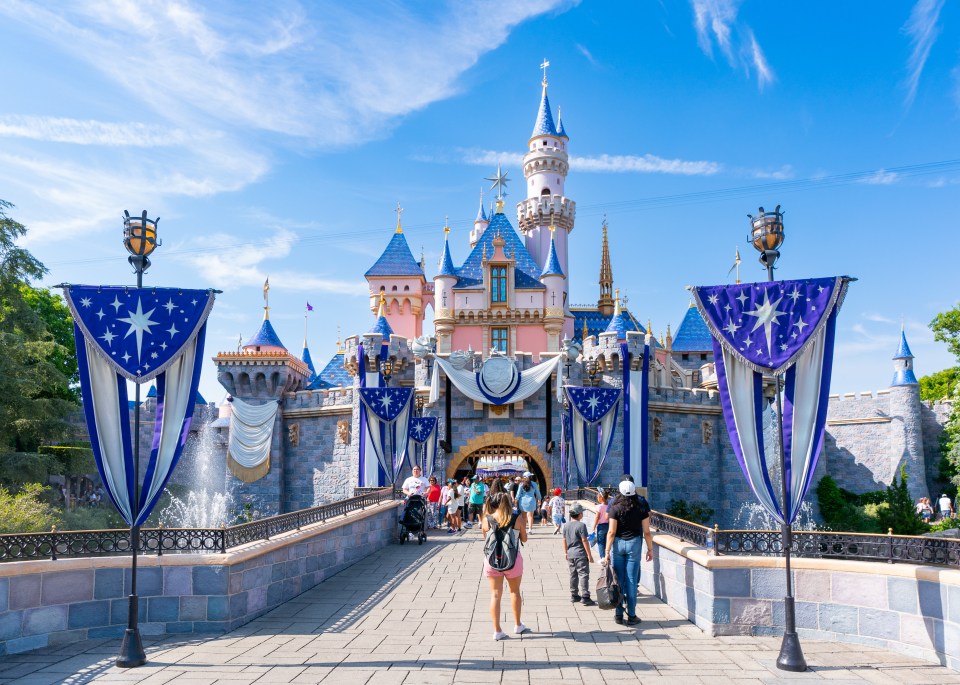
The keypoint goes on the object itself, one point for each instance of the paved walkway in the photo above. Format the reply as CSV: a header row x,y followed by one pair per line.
x,y
415,614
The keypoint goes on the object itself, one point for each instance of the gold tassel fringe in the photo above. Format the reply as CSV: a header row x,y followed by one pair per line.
x,y
248,475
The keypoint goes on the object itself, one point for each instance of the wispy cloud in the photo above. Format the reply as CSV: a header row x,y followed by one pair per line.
x,y
877,318
881,178
586,53
783,173
89,132
922,29
716,24
645,164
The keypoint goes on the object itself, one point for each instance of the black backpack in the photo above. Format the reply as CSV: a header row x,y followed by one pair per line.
x,y
501,547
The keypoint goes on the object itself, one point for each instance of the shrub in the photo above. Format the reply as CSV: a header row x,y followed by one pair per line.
x,y
901,513
842,510
18,468
104,517
694,512
26,511
73,460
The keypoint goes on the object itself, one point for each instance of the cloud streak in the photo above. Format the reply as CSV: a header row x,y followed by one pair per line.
x,y
922,29
89,132
617,164
716,23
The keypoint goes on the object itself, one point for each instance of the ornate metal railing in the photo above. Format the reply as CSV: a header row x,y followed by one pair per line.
x,y
678,528
159,541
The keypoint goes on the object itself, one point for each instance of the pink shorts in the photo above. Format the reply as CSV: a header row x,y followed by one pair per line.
x,y
515,572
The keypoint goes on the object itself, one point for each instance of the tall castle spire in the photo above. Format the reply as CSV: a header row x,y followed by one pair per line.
x,y
605,303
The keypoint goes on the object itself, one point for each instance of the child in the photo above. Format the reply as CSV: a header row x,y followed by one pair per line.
x,y
576,550
558,506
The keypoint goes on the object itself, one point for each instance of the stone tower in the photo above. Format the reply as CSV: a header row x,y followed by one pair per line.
x,y
443,283
905,411
554,281
545,168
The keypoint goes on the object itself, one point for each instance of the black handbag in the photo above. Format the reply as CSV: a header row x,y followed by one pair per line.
x,y
608,589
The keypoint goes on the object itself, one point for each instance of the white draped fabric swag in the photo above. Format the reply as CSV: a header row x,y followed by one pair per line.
x,y
251,432
468,382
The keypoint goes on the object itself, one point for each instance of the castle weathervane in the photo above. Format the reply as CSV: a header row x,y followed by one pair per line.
x,y
544,66
500,181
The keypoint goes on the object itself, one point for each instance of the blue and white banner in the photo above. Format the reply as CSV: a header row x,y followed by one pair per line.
x,y
636,402
593,423
565,429
387,413
371,474
138,334
423,442
784,328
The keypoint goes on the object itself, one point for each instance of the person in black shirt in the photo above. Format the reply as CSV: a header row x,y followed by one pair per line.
x,y
629,517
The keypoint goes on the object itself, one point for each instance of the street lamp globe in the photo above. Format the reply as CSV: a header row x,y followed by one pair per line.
x,y
140,239
766,234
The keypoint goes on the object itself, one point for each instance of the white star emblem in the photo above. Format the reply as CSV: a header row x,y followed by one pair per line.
x,y
85,301
385,402
146,367
783,347
170,306
713,299
820,288
108,336
748,342
153,355
794,336
172,330
795,295
731,328
727,307
116,304
163,346
593,402
193,302
767,315
125,357
742,297
800,324
101,314
140,323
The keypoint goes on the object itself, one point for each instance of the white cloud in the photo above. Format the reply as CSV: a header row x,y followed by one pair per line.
x,y
586,53
88,132
648,164
783,173
877,318
716,23
881,177
923,30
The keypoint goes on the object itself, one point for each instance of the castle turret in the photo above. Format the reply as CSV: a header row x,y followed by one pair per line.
x,y
554,280
905,411
619,323
480,223
605,303
444,281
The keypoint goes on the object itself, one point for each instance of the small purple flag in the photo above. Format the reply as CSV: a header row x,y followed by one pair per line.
x,y
309,307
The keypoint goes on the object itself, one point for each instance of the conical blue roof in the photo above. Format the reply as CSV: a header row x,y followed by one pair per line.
x,y
396,260
308,360
619,325
481,213
552,267
544,125
446,261
265,337
382,326
903,352
526,272
561,132
693,334
333,375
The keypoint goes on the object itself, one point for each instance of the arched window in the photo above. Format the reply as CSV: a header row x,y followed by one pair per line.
x,y
406,288
394,289
498,284
545,191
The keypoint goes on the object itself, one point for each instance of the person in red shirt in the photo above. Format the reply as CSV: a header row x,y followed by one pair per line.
x,y
433,503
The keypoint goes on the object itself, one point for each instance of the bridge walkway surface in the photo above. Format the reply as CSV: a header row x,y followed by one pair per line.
x,y
419,614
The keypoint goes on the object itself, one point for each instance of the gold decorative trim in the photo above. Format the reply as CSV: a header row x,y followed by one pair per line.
x,y
248,475
856,422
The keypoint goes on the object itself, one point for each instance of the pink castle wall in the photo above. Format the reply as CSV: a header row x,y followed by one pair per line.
x,y
531,339
467,337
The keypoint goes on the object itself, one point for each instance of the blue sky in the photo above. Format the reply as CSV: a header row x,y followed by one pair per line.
x,y
278,141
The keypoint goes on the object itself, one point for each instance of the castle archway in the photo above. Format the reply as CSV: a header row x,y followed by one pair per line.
x,y
464,462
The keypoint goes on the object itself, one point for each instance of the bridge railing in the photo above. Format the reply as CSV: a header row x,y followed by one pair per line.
x,y
890,548
160,541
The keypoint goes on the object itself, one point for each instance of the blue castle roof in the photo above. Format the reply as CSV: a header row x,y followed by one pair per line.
x,y
265,337
526,272
152,392
481,213
693,334
382,326
903,351
333,375
904,377
544,125
598,323
396,260
308,360
620,324
561,132
446,261
552,267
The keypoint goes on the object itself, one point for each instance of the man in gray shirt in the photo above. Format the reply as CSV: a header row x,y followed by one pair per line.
x,y
576,550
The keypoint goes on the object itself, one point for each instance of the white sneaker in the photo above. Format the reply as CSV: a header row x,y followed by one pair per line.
x,y
499,635
521,629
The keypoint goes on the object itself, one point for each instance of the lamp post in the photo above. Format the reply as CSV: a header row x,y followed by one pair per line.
x,y
386,370
591,368
767,237
140,240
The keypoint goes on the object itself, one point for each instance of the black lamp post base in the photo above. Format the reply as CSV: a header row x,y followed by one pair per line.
x,y
791,655
131,651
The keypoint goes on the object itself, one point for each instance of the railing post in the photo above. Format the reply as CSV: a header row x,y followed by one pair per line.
x,y
889,545
223,538
53,543
160,539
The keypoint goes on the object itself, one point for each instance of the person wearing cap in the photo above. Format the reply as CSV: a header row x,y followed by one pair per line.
x,y
528,499
576,550
558,509
478,493
946,507
629,521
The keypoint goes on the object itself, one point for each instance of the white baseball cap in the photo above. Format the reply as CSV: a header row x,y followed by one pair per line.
x,y
627,488
527,474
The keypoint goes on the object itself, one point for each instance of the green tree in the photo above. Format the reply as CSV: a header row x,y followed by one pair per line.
x,y
32,386
940,385
52,309
26,511
901,513
946,328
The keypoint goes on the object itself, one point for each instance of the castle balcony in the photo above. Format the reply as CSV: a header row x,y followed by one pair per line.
x,y
540,211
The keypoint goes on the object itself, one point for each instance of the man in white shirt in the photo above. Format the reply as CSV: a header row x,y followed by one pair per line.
x,y
946,507
415,484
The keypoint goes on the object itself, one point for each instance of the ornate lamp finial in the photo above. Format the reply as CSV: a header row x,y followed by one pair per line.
x,y
399,211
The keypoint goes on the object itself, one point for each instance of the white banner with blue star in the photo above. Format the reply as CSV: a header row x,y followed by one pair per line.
x,y
783,328
593,424
387,412
423,442
138,334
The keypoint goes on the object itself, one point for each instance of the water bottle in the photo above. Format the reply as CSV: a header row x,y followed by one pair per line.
x,y
709,543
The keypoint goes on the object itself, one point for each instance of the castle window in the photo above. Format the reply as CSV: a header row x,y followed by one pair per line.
x,y
394,289
498,339
545,191
498,284
406,288
703,357
685,357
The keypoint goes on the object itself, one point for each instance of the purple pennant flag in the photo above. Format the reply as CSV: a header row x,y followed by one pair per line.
x,y
769,324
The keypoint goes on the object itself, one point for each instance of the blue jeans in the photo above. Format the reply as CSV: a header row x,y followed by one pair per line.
x,y
626,564
602,530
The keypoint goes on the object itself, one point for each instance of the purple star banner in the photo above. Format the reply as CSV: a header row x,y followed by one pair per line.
x,y
139,332
593,424
782,328
769,324
387,412
423,438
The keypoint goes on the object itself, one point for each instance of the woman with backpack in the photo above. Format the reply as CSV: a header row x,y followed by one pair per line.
x,y
629,521
502,559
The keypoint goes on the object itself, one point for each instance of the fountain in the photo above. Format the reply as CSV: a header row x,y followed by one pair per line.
x,y
752,516
200,510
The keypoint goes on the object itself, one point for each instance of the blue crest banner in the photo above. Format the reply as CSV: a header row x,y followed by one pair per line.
x,y
387,412
138,334
593,424
423,439
781,328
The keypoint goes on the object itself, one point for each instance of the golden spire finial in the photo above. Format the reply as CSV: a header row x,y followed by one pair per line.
x,y
553,228
585,334
399,211
661,338
649,328
616,303
446,226
266,299
499,205
383,302
339,343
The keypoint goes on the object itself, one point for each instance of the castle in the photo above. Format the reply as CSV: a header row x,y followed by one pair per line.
x,y
511,296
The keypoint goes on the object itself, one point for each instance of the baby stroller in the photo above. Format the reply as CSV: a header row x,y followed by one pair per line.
x,y
414,519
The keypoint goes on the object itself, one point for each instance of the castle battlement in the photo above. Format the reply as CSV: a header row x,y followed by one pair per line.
x,y
539,211
330,397
685,396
